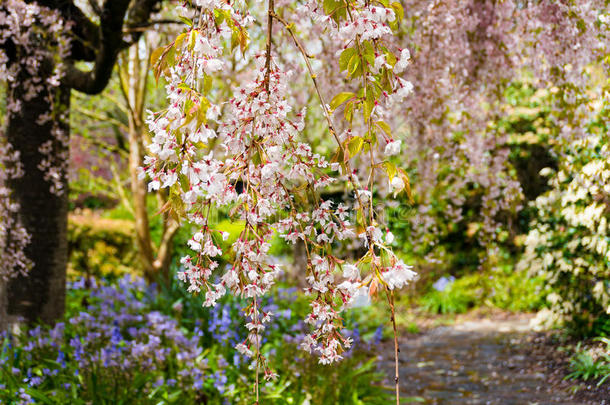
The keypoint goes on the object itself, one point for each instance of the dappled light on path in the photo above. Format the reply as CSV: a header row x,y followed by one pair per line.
x,y
476,362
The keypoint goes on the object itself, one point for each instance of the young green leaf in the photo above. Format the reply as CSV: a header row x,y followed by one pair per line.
x,y
340,99
384,127
355,145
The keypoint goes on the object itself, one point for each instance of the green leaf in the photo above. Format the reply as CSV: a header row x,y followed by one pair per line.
x,y
192,38
207,83
234,40
348,111
368,105
355,145
345,57
160,59
340,99
184,182
334,8
398,10
186,20
415,399
369,52
390,169
204,105
353,64
244,39
39,395
256,158
179,40
384,127
156,55
219,16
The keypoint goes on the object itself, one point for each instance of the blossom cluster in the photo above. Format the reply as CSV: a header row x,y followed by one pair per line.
x,y
13,235
38,36
247,154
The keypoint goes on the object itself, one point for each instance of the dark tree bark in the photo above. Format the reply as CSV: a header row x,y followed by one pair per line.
x,y
41,294
3,307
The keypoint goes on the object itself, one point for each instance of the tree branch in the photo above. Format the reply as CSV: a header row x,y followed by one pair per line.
x,y
111,39
85,33
115,13
146,25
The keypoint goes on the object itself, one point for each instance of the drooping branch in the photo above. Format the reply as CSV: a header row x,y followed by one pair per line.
x,y
270,13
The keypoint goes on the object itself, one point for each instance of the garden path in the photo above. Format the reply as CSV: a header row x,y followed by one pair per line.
x,y
474,362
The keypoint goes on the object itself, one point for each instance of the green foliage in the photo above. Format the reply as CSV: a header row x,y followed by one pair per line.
x,y
513,290
101,247
601,326
453,300
503,288
318,384
567,244
585,365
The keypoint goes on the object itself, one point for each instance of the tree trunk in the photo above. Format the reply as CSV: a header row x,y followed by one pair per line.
x,y
298,270
138,191
3,306
156,261
41,294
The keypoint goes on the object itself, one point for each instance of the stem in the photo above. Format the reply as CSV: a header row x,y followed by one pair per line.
x,y
390,295
258,352
331,127
350,175
270,13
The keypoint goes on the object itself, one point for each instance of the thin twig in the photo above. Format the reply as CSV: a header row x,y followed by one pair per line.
x,y
390,295
258,349
331,127
270,14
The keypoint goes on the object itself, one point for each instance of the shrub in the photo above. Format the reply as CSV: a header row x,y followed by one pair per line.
x,y
568,244
101,247
513,290
502,288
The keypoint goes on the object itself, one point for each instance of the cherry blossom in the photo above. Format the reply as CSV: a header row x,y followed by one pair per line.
x,y
13,236
263,172
24,24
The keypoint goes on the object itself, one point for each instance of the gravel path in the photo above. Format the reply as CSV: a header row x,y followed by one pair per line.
x,y
472,363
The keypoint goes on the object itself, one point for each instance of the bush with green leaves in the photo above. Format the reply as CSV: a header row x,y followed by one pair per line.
x,y
101,247
568,245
